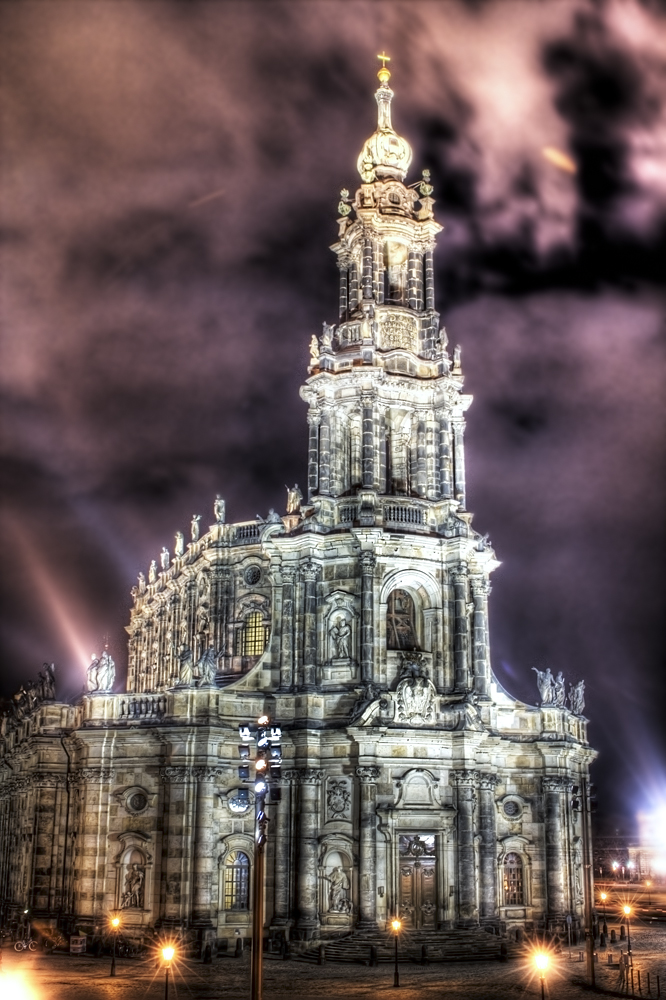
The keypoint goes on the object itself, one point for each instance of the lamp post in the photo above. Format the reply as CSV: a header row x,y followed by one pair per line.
x,y
541,962
396,925
627,913
115,924
167,954
604,896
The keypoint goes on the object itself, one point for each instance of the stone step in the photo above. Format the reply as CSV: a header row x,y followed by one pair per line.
x,y
442,946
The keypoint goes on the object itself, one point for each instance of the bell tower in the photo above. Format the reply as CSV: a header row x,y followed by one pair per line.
x,y
386,409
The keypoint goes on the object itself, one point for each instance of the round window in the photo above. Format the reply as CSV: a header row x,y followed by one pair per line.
x,y
511,809
252,575
138,801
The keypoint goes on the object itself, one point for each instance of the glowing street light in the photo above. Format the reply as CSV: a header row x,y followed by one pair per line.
x,y
604,896
167,954
541,963
615,867
115,925
627,913
395,927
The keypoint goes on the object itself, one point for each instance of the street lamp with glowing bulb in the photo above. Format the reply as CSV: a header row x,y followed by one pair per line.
x,y
115,925
604,896
627,913
167,954
395,927
541,963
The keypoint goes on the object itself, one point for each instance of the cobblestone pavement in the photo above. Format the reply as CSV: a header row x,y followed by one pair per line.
x,y
29,976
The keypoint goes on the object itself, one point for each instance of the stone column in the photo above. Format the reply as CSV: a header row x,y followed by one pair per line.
x,y
367,268
309,574
202,903
429,280
487,848
460,637
444,456
553,786
308,845
459,490
313,453
378,271
367,616
344,293
367,447
481,667
466,801
282,837
324,453
287,632
421,471
412,281
367,851
381,450
353,287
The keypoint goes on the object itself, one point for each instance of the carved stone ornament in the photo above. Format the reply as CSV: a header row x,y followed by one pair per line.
x,y
338,798
93,774
415,694
367,773
398,332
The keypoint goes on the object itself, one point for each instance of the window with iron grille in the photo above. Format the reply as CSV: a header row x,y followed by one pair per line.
x,y
253,636
237,882
514,893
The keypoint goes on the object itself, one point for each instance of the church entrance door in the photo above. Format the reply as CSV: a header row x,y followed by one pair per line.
x,y
418,881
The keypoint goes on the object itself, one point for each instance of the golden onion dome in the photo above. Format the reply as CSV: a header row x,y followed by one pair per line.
x,y
385,153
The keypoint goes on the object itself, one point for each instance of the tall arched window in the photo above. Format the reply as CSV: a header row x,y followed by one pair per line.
x,y
514,886
253,635
401,630
237,881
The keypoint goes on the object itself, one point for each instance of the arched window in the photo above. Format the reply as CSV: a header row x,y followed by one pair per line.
x,y
514,886
237,881
253,635
401,630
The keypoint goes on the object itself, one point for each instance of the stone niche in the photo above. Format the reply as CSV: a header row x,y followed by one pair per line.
x,y
339,638
337,891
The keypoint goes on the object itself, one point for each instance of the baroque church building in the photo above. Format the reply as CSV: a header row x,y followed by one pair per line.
x,y
412,782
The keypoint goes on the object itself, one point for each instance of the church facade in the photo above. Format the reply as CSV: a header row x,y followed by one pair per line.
x,y
412,783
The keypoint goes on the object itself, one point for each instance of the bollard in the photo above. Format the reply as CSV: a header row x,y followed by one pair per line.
x,y
632,981
649,988
239,947
322,954
581,956
610,958
613,936
208,955
658,988
374,960
639,981
602,940
424,954
623,933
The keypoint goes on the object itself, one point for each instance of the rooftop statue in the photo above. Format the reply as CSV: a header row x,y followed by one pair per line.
x,y
294,499
219,509
194,527
101,673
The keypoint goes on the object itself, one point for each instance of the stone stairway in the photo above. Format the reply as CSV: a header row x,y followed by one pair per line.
x,y
441,946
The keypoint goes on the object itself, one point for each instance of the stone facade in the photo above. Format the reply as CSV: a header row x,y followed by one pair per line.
x,y
412,782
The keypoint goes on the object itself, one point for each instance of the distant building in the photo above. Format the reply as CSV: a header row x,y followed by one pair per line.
x,y
412,782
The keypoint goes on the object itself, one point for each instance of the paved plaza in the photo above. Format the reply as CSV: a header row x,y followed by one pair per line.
x,y
67,977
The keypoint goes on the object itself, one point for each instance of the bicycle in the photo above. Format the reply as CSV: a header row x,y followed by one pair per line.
x,y
23,945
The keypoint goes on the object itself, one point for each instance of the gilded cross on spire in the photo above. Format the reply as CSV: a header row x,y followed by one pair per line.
x,y
383,74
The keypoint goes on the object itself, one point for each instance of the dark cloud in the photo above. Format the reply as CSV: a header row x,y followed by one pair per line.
x,y
170,182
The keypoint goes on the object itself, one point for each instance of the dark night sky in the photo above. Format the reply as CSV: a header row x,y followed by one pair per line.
x,y
170,175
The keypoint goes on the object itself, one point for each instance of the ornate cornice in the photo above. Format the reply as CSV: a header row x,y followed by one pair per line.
x,y
310,775
179,774
465,777
94,775
555,783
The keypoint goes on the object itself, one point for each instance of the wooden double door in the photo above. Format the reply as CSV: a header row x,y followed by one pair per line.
x,y
418,881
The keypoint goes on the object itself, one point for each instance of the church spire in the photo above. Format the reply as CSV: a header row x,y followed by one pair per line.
x,y
385,154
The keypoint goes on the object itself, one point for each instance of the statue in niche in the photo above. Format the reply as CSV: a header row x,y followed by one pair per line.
x,y
219,509
340,633
314,351
415,694
206,667
546,685
164,558
179,547
194,527
338,894
559,693
577,697
401,621
186,666
294,499
141,589
101,673
152,572
133,893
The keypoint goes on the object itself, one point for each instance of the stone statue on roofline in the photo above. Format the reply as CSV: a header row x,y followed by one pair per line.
x,y
219,509
546,685
194,527
294,499
101,673
577,697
